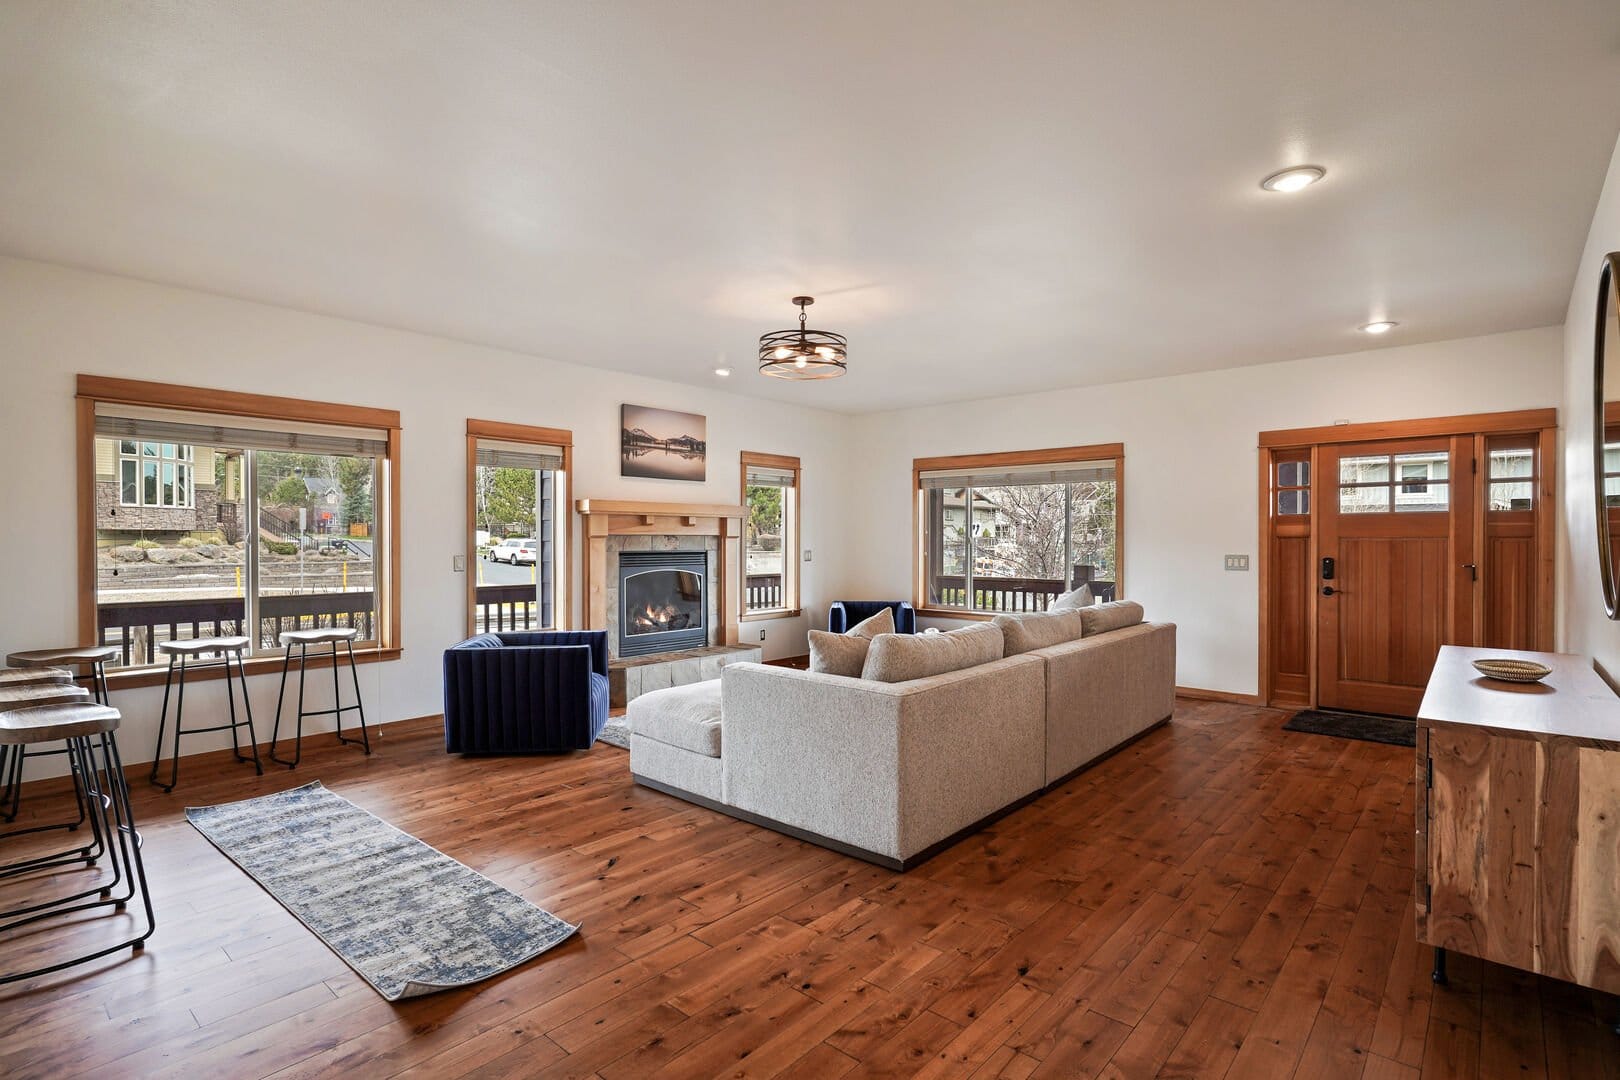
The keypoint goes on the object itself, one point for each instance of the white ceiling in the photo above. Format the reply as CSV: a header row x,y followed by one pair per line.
x,y
987,198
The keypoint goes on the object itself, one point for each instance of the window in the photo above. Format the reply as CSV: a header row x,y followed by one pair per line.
x,y
1416,482
1511,473
518,520
155,473
770,490
1010,532
210,522
1293,487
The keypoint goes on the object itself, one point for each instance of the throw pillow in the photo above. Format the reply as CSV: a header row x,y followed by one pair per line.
x,y
1114,616
838,654
881,623
845,654
897,658
1037,630
1073,601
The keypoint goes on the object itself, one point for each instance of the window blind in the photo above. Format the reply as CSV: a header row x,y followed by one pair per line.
x,y
495,454
236,432
769,476
1078,472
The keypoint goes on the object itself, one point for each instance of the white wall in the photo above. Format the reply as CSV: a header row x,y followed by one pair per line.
x,y
1190,466
56,322
1587,627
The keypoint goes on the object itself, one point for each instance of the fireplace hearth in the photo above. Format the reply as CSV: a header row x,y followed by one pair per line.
x,y
663,601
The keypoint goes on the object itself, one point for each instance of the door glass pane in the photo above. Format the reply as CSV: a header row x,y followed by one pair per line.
x,y
1508,463
1364,470
1364,500
1512,496
1293,473
1611,491
1018,546
1433,498
1293,502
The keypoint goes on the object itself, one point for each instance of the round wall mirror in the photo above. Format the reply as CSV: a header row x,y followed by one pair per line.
x,y
1606,429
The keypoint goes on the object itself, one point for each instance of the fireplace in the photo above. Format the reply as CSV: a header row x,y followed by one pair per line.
x,y
663,601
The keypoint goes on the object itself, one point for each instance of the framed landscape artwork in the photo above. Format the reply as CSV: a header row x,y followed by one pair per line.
x,y
659,444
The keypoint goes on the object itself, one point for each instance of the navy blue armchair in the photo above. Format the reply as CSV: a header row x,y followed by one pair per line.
x,y
525,692
846,613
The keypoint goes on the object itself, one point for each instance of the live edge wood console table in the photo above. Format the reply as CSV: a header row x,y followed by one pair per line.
x,y
1518,818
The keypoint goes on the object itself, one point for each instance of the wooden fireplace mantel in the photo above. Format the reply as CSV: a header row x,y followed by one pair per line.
x,y
626,517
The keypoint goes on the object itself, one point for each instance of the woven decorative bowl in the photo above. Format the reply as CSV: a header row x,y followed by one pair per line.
x,y
1525,671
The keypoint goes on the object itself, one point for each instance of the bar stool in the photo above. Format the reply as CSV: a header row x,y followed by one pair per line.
x,y
22,688
87,729
188,653
303,639
69,660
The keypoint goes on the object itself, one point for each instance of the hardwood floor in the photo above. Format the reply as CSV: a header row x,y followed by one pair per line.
x,y
1222,898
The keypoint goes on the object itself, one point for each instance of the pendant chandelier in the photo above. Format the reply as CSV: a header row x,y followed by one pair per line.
x,y
803,353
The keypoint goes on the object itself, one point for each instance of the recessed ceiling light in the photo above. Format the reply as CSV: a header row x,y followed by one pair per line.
x,y
722,371
1380,327
1296,179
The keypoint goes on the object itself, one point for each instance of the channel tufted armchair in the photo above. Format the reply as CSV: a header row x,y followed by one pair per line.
x,y
525,692
846,613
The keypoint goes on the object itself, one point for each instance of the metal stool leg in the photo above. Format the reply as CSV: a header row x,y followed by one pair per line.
x,y
365,739
247,709
163,720
179,718
275,731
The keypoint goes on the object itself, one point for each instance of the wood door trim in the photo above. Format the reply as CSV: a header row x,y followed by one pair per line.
x,y
1473,424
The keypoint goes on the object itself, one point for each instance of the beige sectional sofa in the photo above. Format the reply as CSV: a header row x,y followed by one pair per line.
x,y
893,772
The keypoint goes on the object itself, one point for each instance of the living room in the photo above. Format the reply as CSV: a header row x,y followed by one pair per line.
x,y
285,293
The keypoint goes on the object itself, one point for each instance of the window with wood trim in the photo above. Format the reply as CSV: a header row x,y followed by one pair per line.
x,y
1011,532
770,490
250,521
517,517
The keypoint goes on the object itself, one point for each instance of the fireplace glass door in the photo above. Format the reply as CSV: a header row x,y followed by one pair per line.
x,y
663,608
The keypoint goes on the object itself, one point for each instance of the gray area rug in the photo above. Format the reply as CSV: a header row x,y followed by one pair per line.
x,y
409,919
1394,730
614,733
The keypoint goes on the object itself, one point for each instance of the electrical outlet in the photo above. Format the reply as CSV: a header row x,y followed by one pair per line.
x,y
458,564
1237,562
762,635
806,554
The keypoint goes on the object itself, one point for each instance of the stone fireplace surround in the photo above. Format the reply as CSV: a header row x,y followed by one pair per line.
x,y
612,526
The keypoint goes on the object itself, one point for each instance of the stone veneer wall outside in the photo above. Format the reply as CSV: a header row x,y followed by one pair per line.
x,y
660,542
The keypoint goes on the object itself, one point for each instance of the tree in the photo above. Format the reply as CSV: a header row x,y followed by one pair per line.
x,y
354,480
1028,527
288,491
506,499
764,515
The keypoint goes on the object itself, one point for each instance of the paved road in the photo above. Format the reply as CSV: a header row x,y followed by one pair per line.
x,y
494,573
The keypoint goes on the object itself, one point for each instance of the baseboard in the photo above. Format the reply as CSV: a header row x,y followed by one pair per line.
x,y
1193,693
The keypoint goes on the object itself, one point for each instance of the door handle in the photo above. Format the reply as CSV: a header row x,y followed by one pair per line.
x,y
1473,571
1328,590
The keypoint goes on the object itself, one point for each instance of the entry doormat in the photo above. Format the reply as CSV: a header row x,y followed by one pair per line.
x,y
1394,730
407,918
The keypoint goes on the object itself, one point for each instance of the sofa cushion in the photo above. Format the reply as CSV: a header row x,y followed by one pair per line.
x,y
1073,601
687,717
1115,616
845,654
1037,630
903,657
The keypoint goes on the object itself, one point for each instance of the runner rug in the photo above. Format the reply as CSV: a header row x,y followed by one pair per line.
x,y
409,919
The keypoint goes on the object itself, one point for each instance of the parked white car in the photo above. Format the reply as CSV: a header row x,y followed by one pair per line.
x,y
513,551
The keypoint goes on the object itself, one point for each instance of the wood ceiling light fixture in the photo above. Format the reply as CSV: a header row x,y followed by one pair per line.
x,y
803,354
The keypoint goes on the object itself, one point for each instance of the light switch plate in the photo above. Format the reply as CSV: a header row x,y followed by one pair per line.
x,y
806,554
762,635
1237,562
458,563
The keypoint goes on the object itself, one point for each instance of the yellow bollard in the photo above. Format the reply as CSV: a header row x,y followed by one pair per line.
x,y
532,567
238,581
345,575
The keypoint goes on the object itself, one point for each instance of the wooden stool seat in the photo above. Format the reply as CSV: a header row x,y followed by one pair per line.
x,y
50,723
314,637
73,654
198,646
36,694
26,676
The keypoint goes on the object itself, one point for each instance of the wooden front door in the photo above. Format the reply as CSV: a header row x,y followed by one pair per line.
x,y
1395,522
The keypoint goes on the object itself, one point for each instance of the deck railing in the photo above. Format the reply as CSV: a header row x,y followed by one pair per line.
x,y
764,591
1009,593
138,626
506,607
